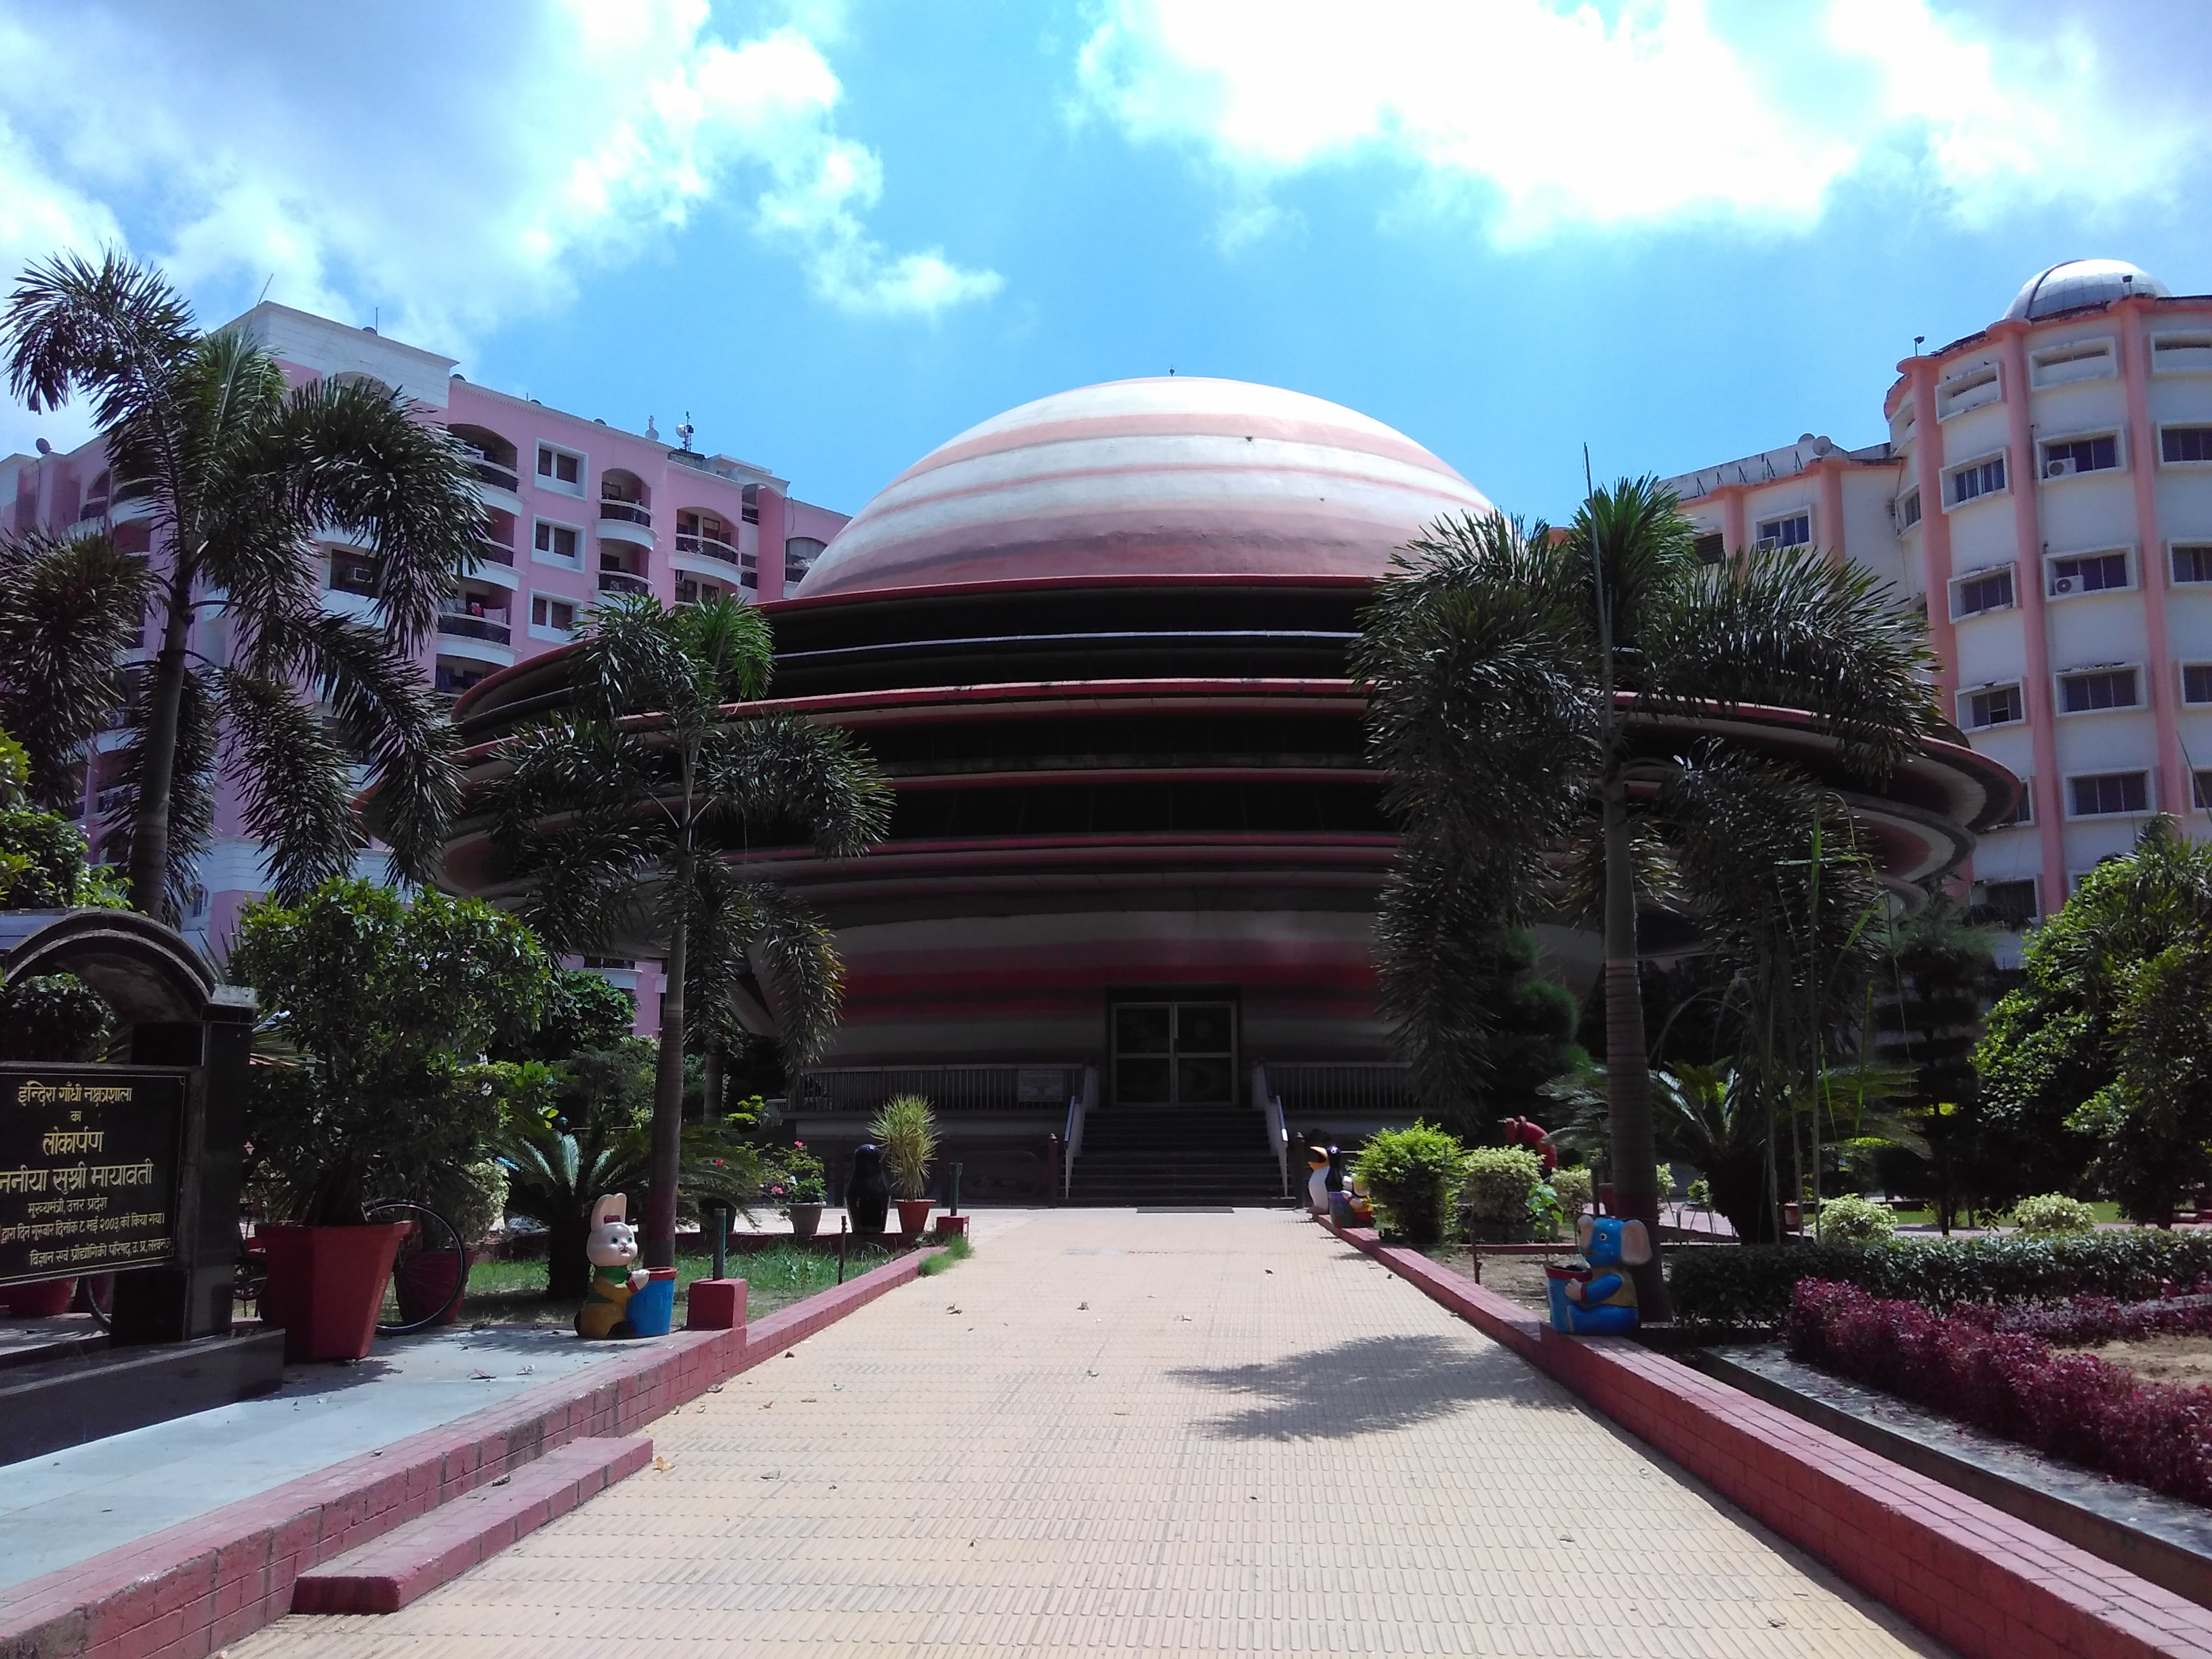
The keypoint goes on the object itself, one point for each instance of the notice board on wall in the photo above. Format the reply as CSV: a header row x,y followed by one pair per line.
x,y
88,1161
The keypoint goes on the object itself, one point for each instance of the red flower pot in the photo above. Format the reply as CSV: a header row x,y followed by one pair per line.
x,y
326,1284
914,1215
42,1299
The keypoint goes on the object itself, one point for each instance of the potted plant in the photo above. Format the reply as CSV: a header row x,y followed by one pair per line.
x,y
906,1130
372,1010
802,1189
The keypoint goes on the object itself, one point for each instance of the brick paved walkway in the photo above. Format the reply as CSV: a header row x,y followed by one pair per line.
x,y
1114,1432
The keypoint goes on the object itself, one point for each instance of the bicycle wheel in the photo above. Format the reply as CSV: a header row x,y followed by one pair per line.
x,y
95,1295
429,1275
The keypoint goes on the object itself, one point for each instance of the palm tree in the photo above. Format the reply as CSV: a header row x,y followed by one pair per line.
x,y
615,814
69,608
1500,659
242,474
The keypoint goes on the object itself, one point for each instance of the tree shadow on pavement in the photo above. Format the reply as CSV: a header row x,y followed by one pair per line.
x,y
1366,1387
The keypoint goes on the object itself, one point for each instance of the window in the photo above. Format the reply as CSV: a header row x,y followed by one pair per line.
x,y
799,553
556,616
2179,445
2078,360
1995,705
2023,808
2089,573
1791,530
1984,590
559,544
1968,390
2103,793
2200,790
749,503
2193,564
1908,509
1979,478
2180,354
1709,550
2068,456
2010,904
2098,689
560,469
2197,681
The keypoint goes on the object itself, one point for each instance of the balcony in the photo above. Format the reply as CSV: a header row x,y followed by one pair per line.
x,y
620,581
494,563
706,547
625,522
108,800
461,624
495,473
93,509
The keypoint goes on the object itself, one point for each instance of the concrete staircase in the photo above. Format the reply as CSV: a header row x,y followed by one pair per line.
x,y
1180,1155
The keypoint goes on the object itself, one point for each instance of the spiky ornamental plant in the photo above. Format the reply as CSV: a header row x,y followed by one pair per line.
x,y
242,474
614,817
1499,658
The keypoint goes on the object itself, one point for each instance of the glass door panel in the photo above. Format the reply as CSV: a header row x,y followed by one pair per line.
x,y
1175,1054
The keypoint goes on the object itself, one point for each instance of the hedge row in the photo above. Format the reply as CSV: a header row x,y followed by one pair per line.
x,y
1750,1285
2073,1405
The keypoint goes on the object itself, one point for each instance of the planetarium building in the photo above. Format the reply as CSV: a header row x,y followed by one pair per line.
x,y
1121,930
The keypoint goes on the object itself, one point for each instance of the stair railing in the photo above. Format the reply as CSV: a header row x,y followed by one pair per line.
x,y
1278,1134
1079,1109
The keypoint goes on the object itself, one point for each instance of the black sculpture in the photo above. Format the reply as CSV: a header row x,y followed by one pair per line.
x,y
1339,1179
867,1194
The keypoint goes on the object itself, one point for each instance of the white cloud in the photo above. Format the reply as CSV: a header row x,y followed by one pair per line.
x,y
1547,115
454,167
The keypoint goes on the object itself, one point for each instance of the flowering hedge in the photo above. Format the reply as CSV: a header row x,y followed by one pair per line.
x,y
2012,1384
1749,1285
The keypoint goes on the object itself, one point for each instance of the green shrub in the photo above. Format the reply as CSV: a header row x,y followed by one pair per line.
x,y
1847,1219
1414,1178
2053,1212
1572,1188
1499,1180
906,1129
1750,1285
1699,1192
472,1196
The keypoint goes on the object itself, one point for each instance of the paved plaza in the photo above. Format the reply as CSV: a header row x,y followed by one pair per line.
x,y
1116,1432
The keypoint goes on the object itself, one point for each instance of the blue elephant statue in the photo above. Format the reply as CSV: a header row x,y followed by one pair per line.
x,y
1599,1296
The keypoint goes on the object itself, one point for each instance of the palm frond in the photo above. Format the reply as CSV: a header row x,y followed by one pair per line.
x,y
731,638
292,778
388,716
352,456
69,608
110,330
1634,532
778,770
1786,627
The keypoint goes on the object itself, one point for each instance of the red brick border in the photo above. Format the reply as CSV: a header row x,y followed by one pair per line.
x,y
185,1591
1991,1586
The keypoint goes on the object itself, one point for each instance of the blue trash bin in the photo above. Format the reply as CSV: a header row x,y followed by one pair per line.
x,y
653,1309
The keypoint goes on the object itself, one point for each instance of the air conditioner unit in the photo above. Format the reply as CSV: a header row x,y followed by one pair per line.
x,y
2064,585
2061,468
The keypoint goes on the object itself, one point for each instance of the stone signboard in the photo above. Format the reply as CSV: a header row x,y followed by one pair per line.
x,y
88,1158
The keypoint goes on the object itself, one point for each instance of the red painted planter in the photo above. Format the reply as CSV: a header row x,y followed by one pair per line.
x,y
951,1226
42,1299
914,1215
326,1285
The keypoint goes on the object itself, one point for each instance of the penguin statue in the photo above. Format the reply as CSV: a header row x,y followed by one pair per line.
x,y
867,1194
1318,1181
1337,1175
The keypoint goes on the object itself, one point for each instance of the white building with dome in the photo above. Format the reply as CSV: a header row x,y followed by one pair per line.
x,y
2045,489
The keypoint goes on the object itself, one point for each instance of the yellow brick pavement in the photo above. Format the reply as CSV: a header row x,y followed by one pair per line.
x,y
1121,1433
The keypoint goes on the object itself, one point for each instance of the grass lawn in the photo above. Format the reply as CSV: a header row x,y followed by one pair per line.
x,y
514,1292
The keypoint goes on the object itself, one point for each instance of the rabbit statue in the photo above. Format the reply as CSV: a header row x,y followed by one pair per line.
x,y
613,1249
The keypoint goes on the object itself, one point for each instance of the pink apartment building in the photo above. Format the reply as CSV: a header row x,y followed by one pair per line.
x,y
573,508
2045,491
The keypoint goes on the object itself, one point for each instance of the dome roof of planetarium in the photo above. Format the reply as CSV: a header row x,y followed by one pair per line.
x,y
1177,476
2072,282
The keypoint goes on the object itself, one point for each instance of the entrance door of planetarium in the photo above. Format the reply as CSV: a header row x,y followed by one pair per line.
x,y
1175,1054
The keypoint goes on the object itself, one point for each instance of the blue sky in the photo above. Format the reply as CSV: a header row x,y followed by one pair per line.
x,y
837,234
